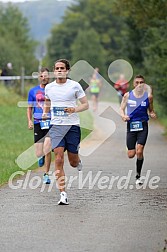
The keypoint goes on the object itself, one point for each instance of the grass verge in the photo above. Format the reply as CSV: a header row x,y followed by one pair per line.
x,y
15,136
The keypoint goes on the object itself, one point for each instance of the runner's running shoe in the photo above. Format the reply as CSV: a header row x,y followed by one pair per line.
x,y
41,161
80,166
46,179
63,199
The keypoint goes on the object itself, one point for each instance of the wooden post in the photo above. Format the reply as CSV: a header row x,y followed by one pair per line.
x,y
22,81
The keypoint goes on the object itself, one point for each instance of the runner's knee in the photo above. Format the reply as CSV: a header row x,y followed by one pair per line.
x,y
73,163
59,159
131,153
139,152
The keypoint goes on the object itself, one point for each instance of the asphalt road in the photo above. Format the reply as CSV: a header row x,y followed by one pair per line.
x,y
106,211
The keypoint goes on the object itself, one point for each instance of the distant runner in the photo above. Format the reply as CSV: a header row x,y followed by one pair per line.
x,y
42,142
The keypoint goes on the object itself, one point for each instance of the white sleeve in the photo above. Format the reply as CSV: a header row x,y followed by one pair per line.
x,y
46,93
80,92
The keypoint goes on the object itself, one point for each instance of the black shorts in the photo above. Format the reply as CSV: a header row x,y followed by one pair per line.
x,y
39,134
95,94
136,137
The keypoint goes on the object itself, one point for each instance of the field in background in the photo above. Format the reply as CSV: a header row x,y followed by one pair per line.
x,y
14,134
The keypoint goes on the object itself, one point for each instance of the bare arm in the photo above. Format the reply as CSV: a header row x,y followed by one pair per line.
x,y
29,117
151,109
46,109
83,106
100,83
149,90
125,117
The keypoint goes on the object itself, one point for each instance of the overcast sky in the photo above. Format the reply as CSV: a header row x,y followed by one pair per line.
x,y
14,1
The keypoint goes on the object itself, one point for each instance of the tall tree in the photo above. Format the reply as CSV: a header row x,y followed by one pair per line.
x,y
98,15
155,60
127,29
15,41
149,19
86,46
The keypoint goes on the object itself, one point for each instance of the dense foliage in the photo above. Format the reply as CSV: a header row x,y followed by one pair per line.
x,y
101,31
98,31
16,45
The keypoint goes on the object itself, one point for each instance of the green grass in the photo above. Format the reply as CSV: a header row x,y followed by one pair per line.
x,y
86,122
161,116
163,121
15,136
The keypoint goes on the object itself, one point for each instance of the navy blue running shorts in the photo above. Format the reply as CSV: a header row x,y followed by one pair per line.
x,y
136,137
66,136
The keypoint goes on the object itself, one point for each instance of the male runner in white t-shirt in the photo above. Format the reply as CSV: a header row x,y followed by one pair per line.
x,y
61,97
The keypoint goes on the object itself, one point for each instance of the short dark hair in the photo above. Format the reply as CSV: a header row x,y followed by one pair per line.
x,y
44,69
66,62
139,76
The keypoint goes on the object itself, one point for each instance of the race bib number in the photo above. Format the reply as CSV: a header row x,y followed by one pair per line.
x,y
45,124
58,112
136,126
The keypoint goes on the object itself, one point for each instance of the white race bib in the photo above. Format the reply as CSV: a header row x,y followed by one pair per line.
x,y
136,126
